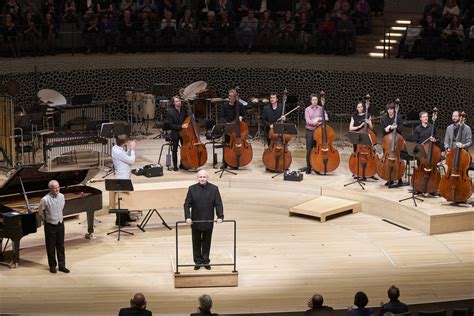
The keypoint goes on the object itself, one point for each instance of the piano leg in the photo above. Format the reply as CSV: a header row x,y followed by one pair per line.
x,y
90,223
16,254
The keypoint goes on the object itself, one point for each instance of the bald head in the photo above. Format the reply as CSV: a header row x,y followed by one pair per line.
x,y
138,301
317,301
202,177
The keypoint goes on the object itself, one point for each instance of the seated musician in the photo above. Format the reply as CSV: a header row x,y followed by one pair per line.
x,y
123,156
388,124
422,133
228,109
271,113
175,118
452,131
313,115
358,120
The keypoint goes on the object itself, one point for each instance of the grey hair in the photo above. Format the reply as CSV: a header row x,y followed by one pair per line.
x,y
205,303
53,183
206,173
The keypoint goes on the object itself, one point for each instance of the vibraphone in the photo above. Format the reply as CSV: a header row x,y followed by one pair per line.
x,y
69,112
60,144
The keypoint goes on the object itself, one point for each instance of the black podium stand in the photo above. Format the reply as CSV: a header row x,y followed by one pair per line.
x,y
359,139
416,150
228,128
281,129
119,185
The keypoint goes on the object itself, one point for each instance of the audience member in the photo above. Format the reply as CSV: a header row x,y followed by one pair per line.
x,y
430,38
127,32
248,31
13,9
434,10
323,7
137,307
304,31
303,6
108,31
32,34
326,35
50,34
187,30
360,16
469,45
286,33
394,306
408,42
167,30
450,10
266,32
208,32
344,36
147,7
453,37
91,34
317,308
10,35
341,7
70,12
205,306
360,302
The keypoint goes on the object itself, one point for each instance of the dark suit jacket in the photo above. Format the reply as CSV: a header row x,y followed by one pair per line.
x,y
204,314
200,204
174,120
131,311
324,310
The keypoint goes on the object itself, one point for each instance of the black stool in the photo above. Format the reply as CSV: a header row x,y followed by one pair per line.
x,y
212,140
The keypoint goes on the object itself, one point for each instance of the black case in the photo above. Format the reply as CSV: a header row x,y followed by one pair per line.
x,y
151,171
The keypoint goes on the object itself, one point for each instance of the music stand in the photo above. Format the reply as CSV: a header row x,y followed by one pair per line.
x,y
416,150
217,131
364,140
228,128
119,185
281,129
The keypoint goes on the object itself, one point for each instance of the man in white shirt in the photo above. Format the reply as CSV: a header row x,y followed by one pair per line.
x,y
50,210
123,157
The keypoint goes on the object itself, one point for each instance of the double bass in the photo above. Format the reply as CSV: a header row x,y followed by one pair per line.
x,y
426,176
363,162
238,152
277,157
391,167
455,185
324,157
193,151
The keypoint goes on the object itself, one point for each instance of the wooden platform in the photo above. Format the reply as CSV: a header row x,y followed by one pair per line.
x,y
206,279
324,206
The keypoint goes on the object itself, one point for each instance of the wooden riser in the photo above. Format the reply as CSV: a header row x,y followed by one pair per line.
x,y
199,279
324,206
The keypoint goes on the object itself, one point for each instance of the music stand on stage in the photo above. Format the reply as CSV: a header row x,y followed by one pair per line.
x,y
364,140
119,185
280,129
216,132
415,150
228,128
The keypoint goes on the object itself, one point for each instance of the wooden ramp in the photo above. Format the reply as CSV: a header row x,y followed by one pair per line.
x,y
219,276
324,206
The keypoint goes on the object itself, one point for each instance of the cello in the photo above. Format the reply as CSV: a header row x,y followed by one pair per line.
x,y
238,152
426,176
390,167
193,151
324,157
455,185
277,157
363,162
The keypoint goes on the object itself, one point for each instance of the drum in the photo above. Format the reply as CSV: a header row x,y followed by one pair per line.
x,y
149,107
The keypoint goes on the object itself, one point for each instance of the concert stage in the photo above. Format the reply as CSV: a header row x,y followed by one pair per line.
x,y
281,260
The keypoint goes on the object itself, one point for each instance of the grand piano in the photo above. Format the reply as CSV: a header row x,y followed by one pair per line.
x,y
21,194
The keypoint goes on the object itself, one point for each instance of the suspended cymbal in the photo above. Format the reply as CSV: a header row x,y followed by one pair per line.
x,y
52,97
194,88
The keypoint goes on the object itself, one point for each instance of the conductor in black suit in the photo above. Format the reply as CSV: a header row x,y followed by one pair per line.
x,y
201,200
174,119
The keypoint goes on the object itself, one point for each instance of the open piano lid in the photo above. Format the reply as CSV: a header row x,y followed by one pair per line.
x,y
36,180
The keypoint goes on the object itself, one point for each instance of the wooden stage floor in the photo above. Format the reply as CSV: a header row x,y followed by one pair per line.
x,y
281,260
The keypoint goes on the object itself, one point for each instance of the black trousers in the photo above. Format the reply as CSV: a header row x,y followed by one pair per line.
x,y
54,237
309,146
174,150
201,245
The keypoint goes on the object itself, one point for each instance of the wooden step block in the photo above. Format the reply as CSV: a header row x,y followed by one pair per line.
x,y
324,206
219,276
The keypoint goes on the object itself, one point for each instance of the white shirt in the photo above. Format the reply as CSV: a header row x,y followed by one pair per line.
x,y
123,161
51,208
